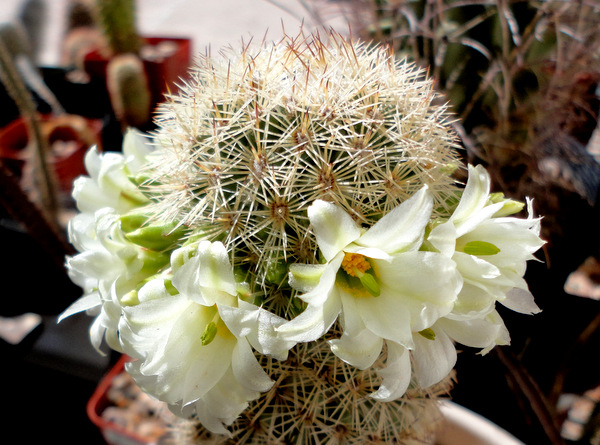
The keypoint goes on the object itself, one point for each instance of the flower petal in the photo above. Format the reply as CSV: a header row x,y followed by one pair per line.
x,y
305,277
247,370
425,285
401,229
386,317
136,147
207,278
360,349
258,327
319,294
433,359
521,300
472,302
514,237
313,322
84,303
443,238
396,375
484,333
333,227
475,195
221,405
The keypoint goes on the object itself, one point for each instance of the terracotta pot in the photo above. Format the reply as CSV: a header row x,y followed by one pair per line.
x,y
460,426
117,429
69,137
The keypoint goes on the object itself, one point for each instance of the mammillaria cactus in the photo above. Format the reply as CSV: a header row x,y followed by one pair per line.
x,y
288,259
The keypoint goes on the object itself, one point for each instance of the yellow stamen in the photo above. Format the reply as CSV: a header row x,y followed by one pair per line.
x,y
355,264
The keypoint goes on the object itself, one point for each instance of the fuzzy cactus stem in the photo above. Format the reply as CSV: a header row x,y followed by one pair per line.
x,y
118,19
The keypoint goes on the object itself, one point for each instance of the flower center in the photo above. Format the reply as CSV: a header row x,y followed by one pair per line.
x,y
355,264
215,327
356,279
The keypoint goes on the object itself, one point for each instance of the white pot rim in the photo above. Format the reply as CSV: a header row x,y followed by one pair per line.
x,y
464,427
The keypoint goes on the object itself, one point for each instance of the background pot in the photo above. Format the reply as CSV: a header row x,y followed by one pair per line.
x,y
464,427
460,426
166,61
69,137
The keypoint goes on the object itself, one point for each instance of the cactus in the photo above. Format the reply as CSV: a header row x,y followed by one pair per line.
x,y
117,18
293,187
128,89
261,144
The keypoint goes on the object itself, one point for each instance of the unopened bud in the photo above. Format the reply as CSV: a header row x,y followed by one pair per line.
x,y
276,272
510,206
157,237
132,221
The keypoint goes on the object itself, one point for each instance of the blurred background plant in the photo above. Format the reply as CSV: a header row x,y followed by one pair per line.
x,y
110,28
33,146
522,79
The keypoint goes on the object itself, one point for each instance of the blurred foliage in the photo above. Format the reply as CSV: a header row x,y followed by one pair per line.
x,y
521,77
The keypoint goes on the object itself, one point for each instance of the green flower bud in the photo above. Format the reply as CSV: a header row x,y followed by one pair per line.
x,y
243,292
133,197
142,180
157,237
130,298
170,288
132,221
180,256
510,206
153,261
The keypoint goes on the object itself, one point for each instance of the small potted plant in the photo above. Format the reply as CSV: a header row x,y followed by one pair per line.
x,y
289,257
138,71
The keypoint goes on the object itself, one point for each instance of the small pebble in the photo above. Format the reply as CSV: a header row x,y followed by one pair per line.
x,y
133,410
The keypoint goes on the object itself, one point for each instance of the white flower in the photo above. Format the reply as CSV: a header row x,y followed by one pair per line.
x,y
384,287
108,183
490,250
485,332
108,268
192,339
108,265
